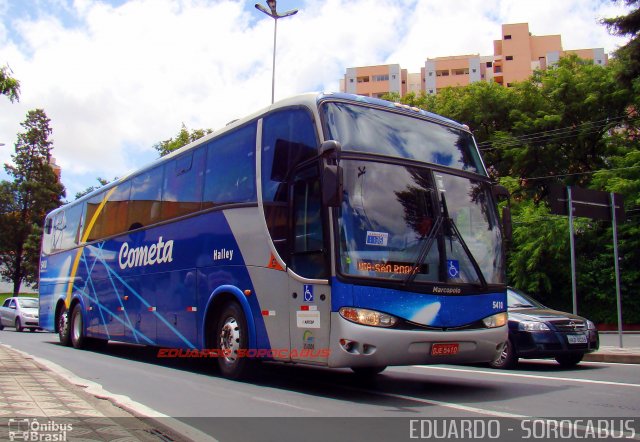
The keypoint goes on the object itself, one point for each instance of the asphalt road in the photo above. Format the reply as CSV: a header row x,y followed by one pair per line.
x,y
189,390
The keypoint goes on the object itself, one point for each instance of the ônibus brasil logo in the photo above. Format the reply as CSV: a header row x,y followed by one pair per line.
x,y
145,255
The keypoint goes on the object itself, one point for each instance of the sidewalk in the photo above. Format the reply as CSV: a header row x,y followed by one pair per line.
x,y
626,355
38,404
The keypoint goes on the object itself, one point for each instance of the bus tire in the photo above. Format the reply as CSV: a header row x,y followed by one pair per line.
x,y
63,327
368,371
76,328
231,335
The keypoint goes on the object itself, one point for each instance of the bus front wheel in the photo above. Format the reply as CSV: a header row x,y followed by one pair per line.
x,y
231,335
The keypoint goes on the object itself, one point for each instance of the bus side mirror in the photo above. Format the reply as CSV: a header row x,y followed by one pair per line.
x,y
48,225
331,185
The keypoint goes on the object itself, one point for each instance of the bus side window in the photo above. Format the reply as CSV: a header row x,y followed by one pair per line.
x,y
74,220
230,172
114,212
288,138
94,231
146,198
183,182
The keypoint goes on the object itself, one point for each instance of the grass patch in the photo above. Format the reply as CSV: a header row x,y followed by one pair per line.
x,y
4,296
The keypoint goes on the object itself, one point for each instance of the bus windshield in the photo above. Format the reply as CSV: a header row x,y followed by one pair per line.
x,y
398,221
366,129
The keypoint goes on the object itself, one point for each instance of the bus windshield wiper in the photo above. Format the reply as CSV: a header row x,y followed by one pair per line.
x,y
424,250
452,225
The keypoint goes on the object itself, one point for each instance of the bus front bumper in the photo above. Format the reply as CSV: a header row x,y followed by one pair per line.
x,y
354,345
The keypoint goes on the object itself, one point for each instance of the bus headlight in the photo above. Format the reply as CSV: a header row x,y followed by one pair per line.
x,y
367,317
497,320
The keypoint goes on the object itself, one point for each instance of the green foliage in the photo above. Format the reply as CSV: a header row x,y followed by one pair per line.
x,y
628,54
25,201
183,138
88,190
574,124
9,86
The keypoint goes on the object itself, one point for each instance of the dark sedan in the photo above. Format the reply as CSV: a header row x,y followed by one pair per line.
x,y
536,331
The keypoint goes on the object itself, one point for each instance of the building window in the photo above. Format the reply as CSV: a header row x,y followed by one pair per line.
x,y
442,73
509,57
507,37
473,70
509,84
350,80
464,71
393,76
363,79
489,64
380,77
430,74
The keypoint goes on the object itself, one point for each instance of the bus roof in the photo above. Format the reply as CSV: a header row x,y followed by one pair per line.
x,y
310,100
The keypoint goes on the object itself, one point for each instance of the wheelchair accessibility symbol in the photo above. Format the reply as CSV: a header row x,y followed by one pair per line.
x,y
453,268
308,293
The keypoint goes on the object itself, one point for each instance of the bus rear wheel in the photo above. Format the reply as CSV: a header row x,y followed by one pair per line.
x,y
78,338
231,335
63,327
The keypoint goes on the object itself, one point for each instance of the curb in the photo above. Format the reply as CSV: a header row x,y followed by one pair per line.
x,y
130,406
620,358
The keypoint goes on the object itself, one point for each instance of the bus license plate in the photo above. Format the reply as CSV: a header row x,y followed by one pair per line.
x,y
444,349
577,339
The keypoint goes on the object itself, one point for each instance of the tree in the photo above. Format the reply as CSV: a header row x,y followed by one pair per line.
x,y
183,138
24,202
629,54
9,86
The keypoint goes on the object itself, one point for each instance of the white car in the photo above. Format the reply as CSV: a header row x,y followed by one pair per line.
x,y
20,313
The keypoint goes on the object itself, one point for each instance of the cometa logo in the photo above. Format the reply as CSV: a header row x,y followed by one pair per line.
x,y
146,255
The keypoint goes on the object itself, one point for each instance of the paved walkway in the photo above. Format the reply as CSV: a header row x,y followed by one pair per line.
x,y
37,404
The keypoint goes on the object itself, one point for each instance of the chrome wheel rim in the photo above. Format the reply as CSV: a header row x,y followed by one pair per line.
x,y
62,322
77,327
230,340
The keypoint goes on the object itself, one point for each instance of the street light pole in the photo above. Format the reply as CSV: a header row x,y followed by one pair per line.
x,y
271,12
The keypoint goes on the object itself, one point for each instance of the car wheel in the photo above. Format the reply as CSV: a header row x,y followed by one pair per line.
x,y
368,371
231,335
78,338
32,330
569,361
507,358
63,327
19,327
1,326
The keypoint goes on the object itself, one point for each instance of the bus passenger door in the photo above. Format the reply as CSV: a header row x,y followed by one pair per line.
x,y
310,297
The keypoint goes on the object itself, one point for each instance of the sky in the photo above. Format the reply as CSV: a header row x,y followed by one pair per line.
x,y
118,76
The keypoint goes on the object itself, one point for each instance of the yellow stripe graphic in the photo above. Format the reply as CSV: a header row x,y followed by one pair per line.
x,y
87,232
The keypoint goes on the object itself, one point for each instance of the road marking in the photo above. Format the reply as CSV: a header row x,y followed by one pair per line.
x,y
530,376
566,423
283,403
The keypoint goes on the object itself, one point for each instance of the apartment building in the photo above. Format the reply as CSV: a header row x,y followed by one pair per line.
x,y
516,55
375,81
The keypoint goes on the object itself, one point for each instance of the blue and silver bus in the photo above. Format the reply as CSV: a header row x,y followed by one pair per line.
x,y
328,229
